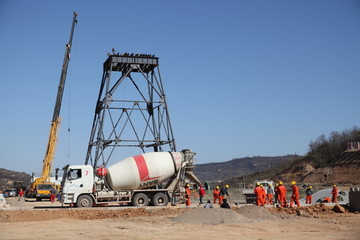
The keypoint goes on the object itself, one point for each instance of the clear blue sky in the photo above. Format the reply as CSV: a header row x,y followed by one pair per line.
x,y
243,78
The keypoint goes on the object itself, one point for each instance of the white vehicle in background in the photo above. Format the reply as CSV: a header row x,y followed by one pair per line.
x,y
249,194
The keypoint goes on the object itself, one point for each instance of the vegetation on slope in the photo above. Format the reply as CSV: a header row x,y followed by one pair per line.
x,y
323,152
326,151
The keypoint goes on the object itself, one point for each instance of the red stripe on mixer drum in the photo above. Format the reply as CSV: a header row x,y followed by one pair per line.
x,y
143,168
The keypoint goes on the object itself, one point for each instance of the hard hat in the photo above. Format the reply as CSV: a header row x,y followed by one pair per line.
x,y
227,186
293,183
280,182
310,186
277,184
257,184
270,184
187,185
217,187
261,185
334,185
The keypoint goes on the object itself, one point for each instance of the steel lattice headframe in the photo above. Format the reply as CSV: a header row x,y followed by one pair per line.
x,y
131,111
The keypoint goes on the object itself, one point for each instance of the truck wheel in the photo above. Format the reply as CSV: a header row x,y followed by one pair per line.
x,y
160,199
140,200
84,201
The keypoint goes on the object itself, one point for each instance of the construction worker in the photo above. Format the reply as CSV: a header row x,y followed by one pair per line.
x,y
223,192
263,195
282,194
21,193
53,193
335,194
259,195
270,194
201,194
276,196
295,194
217,194
208,204
309,193
187,194
225,204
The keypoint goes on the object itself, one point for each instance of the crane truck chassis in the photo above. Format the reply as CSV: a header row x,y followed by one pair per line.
x,y
152,178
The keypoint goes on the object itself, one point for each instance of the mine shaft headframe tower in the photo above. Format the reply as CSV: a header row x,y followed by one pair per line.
x,y
131,111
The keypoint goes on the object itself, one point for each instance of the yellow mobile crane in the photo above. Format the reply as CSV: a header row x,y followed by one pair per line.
x,y
41,186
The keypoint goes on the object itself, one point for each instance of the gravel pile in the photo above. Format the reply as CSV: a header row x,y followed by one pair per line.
x,y
211,216
256,213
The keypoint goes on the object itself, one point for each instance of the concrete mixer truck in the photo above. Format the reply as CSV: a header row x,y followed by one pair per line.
x,y
151,178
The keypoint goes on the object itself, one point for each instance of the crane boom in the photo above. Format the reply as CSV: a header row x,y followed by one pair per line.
x,y
50,151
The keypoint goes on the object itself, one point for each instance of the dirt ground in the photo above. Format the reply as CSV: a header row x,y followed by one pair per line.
x,y
43,220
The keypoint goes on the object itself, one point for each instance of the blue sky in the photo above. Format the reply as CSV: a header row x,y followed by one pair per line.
x,y
242,78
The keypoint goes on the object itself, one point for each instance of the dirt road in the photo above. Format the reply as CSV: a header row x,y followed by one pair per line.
x,y
245,222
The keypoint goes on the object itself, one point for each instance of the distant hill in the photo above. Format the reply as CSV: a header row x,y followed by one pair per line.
x,y
8,179
238,167
331,160
346,170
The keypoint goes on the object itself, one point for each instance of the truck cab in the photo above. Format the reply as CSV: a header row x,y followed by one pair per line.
x,y
77,181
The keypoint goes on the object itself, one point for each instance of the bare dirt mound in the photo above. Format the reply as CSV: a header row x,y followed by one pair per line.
x,y
210,216
41,215
315,211
257,213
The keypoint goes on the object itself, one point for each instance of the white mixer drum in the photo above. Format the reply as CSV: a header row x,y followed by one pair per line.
x,y
143,171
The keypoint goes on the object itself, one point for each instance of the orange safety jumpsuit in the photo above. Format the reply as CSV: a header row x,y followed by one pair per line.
x,y
263,198
295,196
216,195
282,195
188,194
259,195
334,193
223,192
270,193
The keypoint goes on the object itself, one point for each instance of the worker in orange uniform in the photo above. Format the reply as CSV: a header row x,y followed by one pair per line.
x,y
295,195
282,194
217,194
263,193
223,193
270,194
259,195
187,194
309,193
335,194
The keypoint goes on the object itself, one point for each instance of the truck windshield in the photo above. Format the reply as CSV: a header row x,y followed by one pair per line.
x,y
74,174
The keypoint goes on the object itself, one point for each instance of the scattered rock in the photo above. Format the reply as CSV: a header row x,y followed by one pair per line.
x,y
339,209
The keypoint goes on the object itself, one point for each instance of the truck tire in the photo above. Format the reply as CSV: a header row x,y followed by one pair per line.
x,y
160,199
140,200
84,201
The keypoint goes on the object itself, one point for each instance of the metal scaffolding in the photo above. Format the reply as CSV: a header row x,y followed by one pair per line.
x,y
131,111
